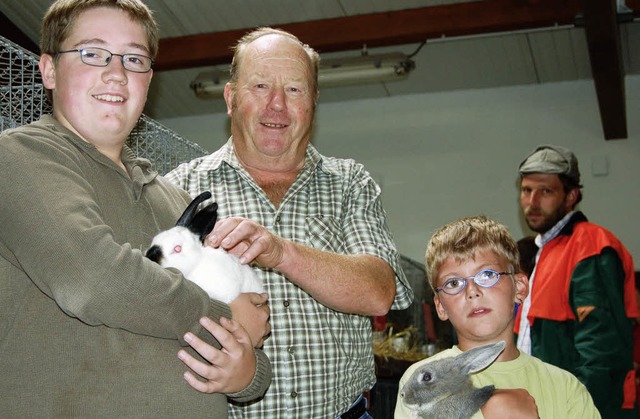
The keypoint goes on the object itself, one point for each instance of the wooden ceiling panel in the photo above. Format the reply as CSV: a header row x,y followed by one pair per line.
x,y
380,29
559,55
199,33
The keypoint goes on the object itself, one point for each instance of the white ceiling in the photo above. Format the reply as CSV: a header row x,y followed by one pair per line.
x,y
545,54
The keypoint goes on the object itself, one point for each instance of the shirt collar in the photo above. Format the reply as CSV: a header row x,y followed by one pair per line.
x,y
542,239
312,159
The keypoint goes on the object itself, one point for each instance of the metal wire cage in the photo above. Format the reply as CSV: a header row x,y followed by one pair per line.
x,y
22,97
162,146
23,100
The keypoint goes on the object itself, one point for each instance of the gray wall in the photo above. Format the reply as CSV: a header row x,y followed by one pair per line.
x,y
442,156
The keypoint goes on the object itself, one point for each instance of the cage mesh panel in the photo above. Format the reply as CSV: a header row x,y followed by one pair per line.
x,y
22,96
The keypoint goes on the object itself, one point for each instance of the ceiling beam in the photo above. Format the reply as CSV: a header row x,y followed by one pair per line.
x,y
380,29
603,39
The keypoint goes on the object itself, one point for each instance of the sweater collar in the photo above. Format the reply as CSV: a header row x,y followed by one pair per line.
x,y
140,169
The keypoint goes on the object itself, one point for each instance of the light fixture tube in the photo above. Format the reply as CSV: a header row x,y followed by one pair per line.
x,y
334,72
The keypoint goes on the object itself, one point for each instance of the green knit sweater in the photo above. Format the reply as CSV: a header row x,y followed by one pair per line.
x,y
88,326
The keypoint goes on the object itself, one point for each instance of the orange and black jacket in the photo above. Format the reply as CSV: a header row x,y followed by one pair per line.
x,y
582,310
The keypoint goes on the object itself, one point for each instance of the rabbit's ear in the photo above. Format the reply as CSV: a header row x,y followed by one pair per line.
x,y
187,215
203,222
481,357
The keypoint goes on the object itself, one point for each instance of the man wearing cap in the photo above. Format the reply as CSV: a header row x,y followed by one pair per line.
x,y
579,313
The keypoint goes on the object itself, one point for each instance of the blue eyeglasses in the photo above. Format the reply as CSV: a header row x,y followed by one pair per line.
x,y
100,57
486,278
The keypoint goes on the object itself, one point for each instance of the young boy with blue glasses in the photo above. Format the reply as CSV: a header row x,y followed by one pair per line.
x,y
473,267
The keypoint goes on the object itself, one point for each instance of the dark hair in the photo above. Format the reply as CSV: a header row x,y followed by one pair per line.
x,y
569,184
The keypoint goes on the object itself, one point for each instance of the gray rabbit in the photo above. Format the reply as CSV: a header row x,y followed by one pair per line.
x,y
442,388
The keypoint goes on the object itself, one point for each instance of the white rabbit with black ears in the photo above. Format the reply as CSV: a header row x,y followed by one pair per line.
x,y
442,388
216,271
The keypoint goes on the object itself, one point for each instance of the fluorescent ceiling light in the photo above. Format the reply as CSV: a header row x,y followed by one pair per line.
x,y
334,72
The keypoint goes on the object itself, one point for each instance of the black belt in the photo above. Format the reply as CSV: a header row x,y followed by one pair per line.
x,y
356,411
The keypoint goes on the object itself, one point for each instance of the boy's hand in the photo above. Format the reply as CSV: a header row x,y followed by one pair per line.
x,y
230,369
513,403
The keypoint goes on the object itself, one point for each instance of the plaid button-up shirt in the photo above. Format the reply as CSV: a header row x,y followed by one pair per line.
x,y
322,359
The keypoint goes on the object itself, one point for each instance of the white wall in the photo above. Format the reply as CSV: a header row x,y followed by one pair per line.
x,y
447,155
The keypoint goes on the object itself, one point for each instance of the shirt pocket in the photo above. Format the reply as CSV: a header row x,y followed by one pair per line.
x,y
324,233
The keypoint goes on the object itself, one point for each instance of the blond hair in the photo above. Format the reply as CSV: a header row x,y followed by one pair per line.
x,y
464,238
59,21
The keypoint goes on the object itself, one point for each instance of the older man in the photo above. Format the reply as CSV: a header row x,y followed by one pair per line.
x,y
314,224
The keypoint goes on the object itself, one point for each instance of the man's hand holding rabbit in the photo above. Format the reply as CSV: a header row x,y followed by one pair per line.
x,y
252,312
249,241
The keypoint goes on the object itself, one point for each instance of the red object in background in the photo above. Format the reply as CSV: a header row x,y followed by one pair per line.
x,y
379,322
428,322
636,359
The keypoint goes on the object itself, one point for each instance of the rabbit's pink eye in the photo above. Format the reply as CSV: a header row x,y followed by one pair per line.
x,y
177,249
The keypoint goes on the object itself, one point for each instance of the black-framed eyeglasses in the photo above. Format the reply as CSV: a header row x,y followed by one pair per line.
x,y
100,57
486,278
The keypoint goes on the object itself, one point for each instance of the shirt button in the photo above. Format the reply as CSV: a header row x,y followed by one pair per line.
x,y
290,350
294,394
277,219
286,304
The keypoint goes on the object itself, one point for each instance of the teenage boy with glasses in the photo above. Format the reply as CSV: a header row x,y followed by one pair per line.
x,y
89,327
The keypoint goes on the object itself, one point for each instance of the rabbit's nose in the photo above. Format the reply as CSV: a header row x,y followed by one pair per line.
x,y
154,253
